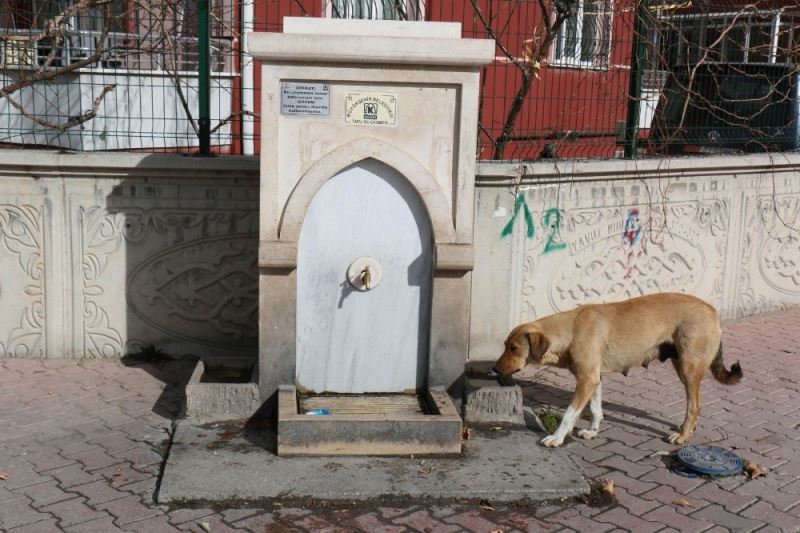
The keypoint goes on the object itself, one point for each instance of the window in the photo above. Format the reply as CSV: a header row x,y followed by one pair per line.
x,y
585,38
376,9
763,37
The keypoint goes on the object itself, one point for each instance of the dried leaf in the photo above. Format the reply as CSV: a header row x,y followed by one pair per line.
x,y
496,531
205,526
466,433
607,485
683,502
3,475
753,471
485,505
661,453
495,428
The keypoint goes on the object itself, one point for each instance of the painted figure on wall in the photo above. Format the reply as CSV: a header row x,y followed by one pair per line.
x,y
632,240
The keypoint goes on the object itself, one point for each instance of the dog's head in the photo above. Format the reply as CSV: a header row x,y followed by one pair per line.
x,y
524,345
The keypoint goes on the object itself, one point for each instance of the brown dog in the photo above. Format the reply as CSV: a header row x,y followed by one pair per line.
x,y
614,337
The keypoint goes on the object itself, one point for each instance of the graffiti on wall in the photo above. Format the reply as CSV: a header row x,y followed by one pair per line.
x,y
551,222
632,244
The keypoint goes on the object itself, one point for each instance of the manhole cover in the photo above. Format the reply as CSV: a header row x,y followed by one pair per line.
x,y
711,460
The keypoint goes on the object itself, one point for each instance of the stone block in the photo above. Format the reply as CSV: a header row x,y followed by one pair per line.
x,y
491,400
211,401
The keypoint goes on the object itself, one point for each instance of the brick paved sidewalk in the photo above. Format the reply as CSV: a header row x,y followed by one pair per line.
x,y
81,445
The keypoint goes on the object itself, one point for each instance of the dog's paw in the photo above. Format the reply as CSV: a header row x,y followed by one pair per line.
x,y
677,438
587,434
551,441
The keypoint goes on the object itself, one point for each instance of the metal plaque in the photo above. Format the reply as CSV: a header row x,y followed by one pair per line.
x,y
305,98
371,108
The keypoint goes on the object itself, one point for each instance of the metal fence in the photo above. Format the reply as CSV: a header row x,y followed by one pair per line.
x,y
572,78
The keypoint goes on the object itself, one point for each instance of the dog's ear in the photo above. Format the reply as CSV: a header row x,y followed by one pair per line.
x,y
538,343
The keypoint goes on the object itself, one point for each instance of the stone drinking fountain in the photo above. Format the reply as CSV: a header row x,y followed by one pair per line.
x,y
367,169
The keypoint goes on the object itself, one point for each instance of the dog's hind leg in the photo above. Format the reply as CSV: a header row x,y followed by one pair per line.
x,y
691,376
596,406
584,389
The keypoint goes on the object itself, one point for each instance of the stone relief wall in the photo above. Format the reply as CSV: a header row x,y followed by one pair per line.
x,y
101,259
99,266
729,236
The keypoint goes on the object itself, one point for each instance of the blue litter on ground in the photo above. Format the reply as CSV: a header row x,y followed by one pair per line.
x,y
709,461
319,412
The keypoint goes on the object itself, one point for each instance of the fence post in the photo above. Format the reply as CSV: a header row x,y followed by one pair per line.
x,y
635,85
204,78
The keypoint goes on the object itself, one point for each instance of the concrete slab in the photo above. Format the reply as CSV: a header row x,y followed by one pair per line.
x,y
226,461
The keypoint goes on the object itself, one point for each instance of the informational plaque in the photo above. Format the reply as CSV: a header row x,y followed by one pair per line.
x,y
305,98
371,108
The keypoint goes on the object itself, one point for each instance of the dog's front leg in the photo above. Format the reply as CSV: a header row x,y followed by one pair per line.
x,y
586,385
596,406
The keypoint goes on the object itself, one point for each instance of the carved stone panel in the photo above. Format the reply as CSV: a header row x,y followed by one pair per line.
x,y
173,266
770,266
22,307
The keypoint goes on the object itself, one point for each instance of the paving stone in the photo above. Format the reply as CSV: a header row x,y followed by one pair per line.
x,y
155,524
71,512
43,526
576,521
98,525
43,494
129,509
730,501
525,522
625,520
716,514
98,492
765,512
668,496
632,469
122,474
260,523
19,513
72,475
22,474
669,516
371,522
635,505
180,516
423,521
215,525
234,515
114,442
73,443
472,520
394,512
95,459
632,485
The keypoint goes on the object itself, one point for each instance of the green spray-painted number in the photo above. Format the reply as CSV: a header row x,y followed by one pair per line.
x,y
520,204
552,220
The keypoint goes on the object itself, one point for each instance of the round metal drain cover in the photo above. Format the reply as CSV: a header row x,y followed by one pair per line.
x,y
711,460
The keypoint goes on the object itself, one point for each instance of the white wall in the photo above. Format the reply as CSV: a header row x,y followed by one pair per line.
x,y
143,111
103,253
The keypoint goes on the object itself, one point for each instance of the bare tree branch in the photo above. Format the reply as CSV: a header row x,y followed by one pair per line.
x,y
45,74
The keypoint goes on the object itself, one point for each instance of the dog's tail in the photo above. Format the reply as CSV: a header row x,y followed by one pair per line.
x,y
726,377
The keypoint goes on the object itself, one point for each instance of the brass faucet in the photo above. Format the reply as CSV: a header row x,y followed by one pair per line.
x,y
366,278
